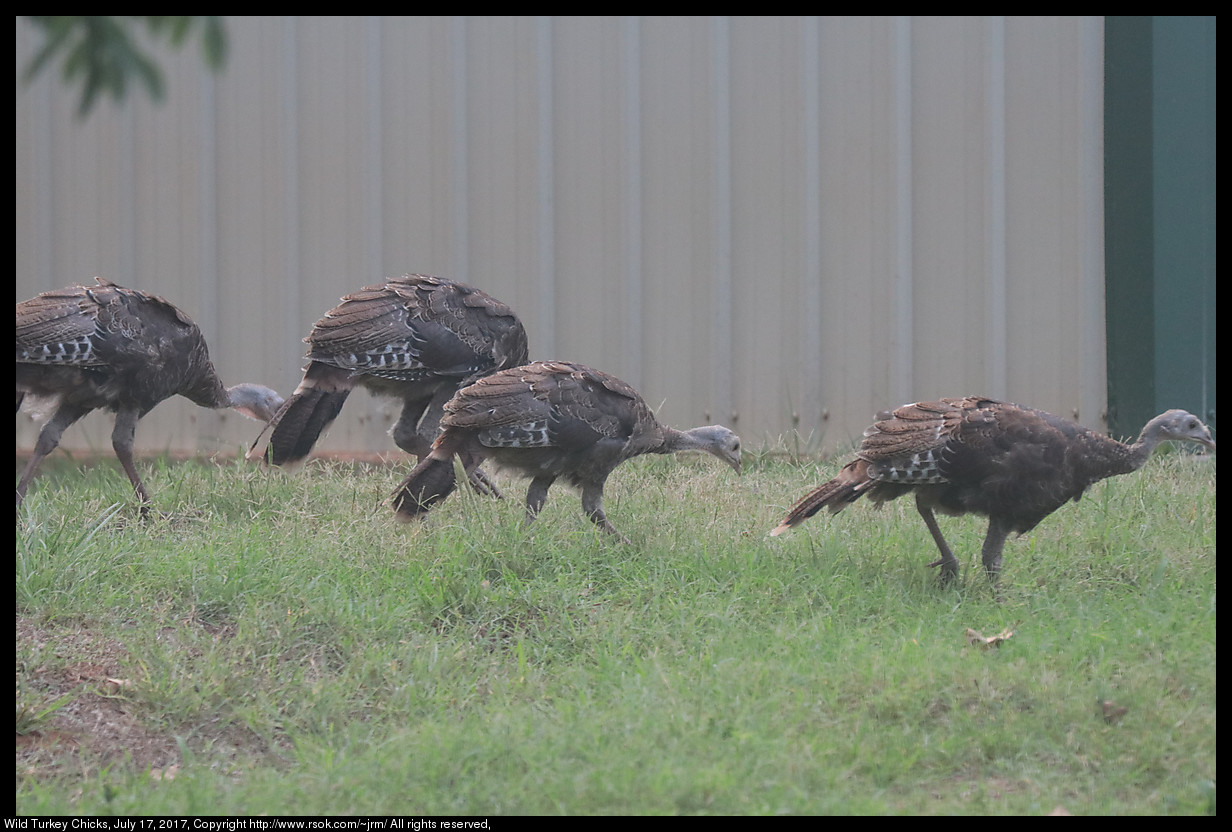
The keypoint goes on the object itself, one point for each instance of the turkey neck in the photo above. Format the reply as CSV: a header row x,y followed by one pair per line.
x,y
1125,459
206,388
682,440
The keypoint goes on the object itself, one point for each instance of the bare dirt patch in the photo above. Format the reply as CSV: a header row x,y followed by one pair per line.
x,y
86,678
96,726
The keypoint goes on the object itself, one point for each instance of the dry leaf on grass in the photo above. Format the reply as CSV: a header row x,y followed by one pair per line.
x,y
113,687
977,639
1112,711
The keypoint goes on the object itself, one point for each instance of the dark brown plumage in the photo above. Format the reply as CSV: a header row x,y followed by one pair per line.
x,y
417,338
547,420
86,347
1009,463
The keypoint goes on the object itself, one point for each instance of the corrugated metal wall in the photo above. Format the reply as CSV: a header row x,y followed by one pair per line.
x,y
782,224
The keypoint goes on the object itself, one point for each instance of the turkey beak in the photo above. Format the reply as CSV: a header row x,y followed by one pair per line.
x,y
729,455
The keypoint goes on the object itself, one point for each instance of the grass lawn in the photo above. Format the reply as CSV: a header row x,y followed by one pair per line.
x,y
281,645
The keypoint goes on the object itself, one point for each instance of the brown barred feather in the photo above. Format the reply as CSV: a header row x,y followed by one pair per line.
x,y
417,338
547,420
1012,464
82,348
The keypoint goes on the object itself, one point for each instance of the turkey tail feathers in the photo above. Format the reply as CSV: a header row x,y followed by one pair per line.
x,y
847,487
430,482
300,423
